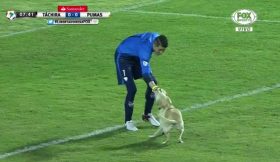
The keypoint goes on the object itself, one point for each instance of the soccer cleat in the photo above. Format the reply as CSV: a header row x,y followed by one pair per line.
x,y
130,126
151,119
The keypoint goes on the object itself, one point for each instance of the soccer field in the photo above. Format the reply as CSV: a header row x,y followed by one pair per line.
x,y
60,102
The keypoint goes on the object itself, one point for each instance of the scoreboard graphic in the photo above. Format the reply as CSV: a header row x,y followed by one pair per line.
x,y
64,15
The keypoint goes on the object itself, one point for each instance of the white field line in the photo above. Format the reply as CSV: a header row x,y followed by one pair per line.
x,y
113,11
195,15
25,31
139,5
60,141
117,127
229,98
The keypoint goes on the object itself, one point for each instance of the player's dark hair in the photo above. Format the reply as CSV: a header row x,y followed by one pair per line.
x,y
162,40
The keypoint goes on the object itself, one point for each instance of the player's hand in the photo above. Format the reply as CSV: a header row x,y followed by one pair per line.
x,y
155,88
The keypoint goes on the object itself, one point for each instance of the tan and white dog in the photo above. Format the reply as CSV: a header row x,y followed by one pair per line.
x,y
169,116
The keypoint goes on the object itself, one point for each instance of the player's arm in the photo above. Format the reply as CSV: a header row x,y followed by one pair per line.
x,y
147,74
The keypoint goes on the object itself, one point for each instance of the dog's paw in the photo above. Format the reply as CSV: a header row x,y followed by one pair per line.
x,y
164,142
152,136
180,141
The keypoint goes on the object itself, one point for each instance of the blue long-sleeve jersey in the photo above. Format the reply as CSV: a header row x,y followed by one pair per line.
x,y
139,45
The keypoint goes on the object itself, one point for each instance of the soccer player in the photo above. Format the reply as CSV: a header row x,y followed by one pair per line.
x,y
132,59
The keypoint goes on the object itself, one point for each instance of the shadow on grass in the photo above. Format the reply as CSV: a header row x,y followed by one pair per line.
x,y
142,146
48,152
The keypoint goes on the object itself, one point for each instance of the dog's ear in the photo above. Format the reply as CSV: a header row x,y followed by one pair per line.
x,y
169,100
163,91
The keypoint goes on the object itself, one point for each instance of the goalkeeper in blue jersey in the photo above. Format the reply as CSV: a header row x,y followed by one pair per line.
x,y
132,59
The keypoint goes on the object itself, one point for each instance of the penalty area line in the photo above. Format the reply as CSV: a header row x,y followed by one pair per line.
x,y
193,15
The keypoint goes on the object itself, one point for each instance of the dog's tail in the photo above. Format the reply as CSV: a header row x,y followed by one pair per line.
x,y
168,120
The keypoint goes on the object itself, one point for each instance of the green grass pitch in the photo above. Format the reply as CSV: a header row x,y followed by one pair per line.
x,y
58,82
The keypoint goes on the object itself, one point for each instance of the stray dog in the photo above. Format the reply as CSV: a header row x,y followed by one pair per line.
x,y
169,116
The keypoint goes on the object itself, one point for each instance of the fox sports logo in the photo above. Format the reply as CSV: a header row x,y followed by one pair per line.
x,y
244,17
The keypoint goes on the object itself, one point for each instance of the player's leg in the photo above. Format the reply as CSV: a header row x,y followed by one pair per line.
x,y
131,91
127,76
129,100
150,98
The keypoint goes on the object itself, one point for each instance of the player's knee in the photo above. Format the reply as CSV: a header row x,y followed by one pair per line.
x,y
130,104
132,91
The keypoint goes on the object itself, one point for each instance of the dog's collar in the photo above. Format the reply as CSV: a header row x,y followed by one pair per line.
x,y
166,109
